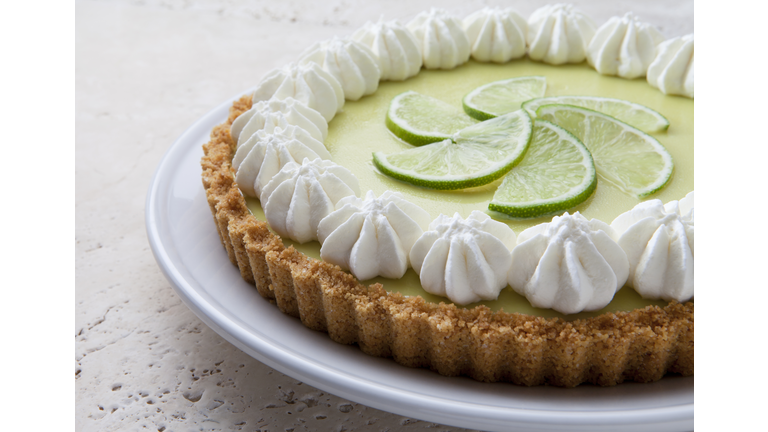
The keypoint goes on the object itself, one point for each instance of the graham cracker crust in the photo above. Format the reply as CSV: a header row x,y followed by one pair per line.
x,y
642,345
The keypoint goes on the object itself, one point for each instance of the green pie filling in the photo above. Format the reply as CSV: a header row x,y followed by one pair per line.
x,y
359,130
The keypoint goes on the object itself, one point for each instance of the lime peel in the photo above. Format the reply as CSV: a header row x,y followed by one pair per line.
x,y
420,119
624,156
551,148
634,114
476,156
502,97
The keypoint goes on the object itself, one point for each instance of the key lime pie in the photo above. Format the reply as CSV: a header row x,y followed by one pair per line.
x,y
515,195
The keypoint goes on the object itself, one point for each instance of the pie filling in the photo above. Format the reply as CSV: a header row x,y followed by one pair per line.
x,y
359,130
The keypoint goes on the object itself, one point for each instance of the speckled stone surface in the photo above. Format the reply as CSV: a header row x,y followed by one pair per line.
x,y
145,71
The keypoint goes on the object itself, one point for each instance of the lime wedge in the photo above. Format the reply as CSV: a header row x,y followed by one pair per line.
x,y
639,116
419,119
557,173
475,156
503,97
625,157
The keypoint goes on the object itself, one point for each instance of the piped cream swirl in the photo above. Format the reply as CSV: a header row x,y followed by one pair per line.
x,y
569,265
353,65
464,260
496,35
262,156
624,46
293,111
559,34
672,69
442,40
373,236
307,83
299,196
658,240
396,48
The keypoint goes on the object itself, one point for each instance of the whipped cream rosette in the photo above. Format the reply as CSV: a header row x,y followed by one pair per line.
x,y
658,240
496,35
396,48
271,111
672,69
261,157
307,83
570,264
299,196
464,260
353,65
624,46
442,40
558,34
372,236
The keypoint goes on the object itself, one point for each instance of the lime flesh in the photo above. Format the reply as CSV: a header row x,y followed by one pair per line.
x,y
625,157
634,114
419,119
475,156
557,173
503,97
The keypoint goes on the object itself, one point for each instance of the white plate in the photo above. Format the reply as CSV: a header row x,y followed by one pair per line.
x,y
187,248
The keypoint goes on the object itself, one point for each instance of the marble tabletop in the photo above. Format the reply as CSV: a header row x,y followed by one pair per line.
x,y
145,71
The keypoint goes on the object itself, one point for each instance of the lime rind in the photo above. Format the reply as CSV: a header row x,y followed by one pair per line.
x,y
502,97
551,147
634,114
411,137
611,156
420,119
475,113
441,182
473,158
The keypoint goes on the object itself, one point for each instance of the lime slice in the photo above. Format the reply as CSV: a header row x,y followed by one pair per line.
x,y
557,173
476,155
503,97
419,119
625,157
639,116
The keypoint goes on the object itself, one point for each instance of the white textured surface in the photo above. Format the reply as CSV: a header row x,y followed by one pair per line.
x,y
145,70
